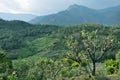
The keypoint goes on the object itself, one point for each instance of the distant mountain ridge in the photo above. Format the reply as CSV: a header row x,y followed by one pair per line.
x,y
10,16
77,14
112,15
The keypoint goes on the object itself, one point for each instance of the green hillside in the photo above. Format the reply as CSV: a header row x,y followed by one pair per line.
x,y
49,52
21,39
15,36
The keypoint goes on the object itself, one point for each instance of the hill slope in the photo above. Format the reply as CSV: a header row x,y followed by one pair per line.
x,y
16,37
21,39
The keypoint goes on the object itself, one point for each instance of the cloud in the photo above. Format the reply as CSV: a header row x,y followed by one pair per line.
x,y
3,8
100,4
23,4
44,7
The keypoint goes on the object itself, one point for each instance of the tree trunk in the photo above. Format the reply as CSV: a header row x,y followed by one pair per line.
x,y
94,68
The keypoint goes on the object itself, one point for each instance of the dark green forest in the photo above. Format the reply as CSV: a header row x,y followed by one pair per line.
x,y
51,52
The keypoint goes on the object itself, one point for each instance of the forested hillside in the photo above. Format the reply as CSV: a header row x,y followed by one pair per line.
x,y
16,35
49,52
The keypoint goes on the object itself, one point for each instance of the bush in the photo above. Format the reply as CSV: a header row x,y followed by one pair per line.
x,y
111,66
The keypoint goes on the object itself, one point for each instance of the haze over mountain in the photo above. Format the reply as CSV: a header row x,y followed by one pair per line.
x,y
77,14
112,15
10,16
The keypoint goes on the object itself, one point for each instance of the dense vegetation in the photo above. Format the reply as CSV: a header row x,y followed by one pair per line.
x,y
48,52
17,37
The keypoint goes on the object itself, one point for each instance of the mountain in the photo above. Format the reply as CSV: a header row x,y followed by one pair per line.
x,y
77,14
112,15
10,16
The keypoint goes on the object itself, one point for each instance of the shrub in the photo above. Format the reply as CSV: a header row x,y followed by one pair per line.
x,y
111,66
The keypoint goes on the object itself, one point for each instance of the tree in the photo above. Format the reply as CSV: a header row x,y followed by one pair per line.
x,y
54,69
45,69
118,57
93,44
76,53
97,45
5,66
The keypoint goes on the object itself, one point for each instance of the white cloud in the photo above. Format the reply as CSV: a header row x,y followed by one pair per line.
x,y
7,7
4,8
23,4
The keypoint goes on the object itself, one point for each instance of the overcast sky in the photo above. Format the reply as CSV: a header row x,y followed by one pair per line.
x,y
44,7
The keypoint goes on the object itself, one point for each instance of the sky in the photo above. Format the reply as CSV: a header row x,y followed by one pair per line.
x,y
45,7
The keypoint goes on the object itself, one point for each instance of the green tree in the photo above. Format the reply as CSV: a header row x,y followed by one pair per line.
x,y
93,46
118,57
12,76
97,46
5,65
45,69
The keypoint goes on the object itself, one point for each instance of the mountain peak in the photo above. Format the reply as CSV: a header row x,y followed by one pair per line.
x,y
76,7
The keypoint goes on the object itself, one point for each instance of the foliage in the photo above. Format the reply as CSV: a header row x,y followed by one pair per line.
x,y
94,46
118,58
17,32
118,55
12,76
111,66
5,65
